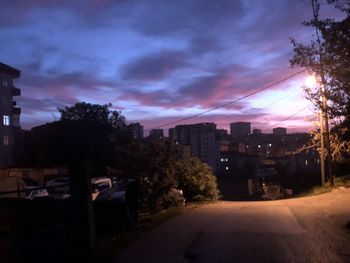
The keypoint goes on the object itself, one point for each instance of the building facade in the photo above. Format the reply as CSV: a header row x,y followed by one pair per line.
x,y
257,131
201,140
156,133
203,143
279,131
136,130
9,113
240,129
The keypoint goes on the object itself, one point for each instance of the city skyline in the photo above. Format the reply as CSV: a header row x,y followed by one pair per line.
x,y
159,61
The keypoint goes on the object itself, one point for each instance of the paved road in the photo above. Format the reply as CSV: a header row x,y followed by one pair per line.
x,y
295,230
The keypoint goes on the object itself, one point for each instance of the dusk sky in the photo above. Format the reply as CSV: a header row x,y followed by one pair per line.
x,y
158,61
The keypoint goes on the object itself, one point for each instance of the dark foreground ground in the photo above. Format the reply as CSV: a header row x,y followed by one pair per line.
x,y
308,229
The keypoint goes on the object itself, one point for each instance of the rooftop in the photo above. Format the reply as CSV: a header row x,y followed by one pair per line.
x,y
15,73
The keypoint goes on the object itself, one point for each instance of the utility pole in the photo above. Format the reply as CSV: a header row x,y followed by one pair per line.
x,y
325,141
326,134
322,153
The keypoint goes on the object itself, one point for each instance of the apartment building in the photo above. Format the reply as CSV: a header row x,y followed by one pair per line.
x,y
136,130
9,113
240,129
201,138
156,134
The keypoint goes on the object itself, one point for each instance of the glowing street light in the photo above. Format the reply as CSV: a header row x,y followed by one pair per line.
x,y
310,81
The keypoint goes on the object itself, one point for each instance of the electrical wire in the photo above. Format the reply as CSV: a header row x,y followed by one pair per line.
x,y
288,117
230,102
278,100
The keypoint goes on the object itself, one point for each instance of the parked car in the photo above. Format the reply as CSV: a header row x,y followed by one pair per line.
x,y
37,193
33,190
115,192
100,185
58,188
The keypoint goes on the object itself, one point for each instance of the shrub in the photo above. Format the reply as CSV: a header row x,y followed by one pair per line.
x,y
196,179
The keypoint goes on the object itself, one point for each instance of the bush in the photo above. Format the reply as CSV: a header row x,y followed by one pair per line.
x,y
196,179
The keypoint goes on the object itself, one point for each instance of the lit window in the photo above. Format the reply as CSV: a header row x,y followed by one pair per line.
x,y
6,120
305,162
226,168
259,146
222,159
270,144
6,140
226,160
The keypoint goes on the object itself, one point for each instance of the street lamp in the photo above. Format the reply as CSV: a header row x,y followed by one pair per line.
x,y
310,81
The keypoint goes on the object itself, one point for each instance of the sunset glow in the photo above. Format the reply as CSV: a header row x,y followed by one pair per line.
x,y
158,62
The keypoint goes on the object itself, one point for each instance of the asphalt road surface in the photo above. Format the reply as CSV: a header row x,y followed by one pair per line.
x,y
309,229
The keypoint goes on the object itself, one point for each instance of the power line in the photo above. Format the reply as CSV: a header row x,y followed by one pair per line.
x,y
230,102
288,117
276,101
292,115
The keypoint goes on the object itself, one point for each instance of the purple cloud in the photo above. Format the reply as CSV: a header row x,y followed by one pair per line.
x,y
154,67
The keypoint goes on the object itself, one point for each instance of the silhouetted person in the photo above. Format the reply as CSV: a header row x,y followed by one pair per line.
x,y
132,195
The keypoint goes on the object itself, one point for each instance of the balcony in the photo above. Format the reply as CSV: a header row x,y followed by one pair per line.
x,y
16,110
16,91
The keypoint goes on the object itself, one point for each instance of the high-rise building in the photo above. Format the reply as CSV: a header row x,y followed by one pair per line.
x,y
9,113
156,133
136,130
180,134
203,143
279,131
222,140
201,138
221,134
257,131
239,129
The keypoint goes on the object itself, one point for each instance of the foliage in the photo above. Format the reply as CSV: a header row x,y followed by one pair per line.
x,y
328,56
93,113
160,167
152,163
338,146
196,179
86,133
